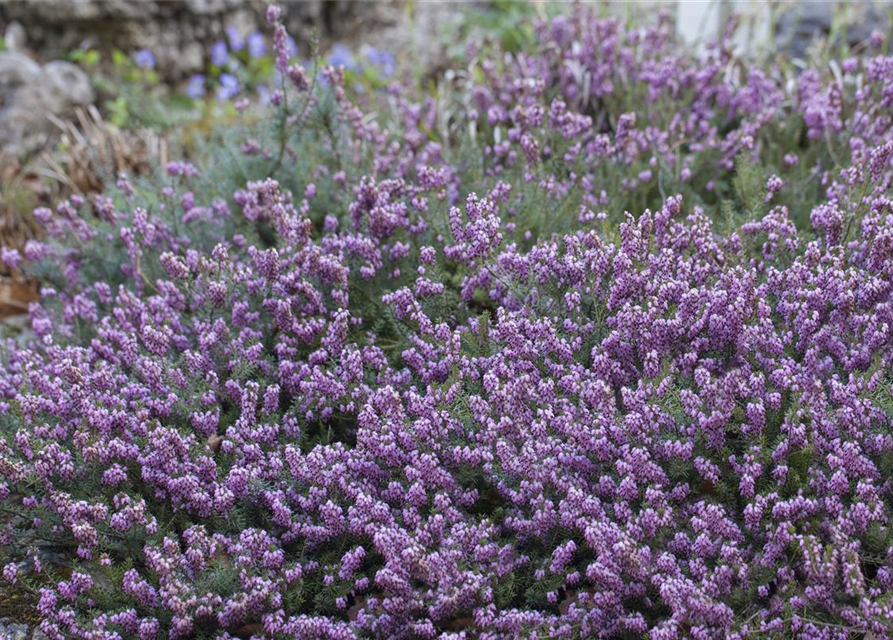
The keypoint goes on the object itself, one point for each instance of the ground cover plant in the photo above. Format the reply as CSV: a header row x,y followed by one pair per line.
x,y
592,339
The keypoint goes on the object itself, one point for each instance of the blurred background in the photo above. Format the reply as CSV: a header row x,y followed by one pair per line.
x,y
93,88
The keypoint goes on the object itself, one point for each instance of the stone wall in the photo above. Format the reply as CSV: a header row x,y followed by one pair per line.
x,y
179,32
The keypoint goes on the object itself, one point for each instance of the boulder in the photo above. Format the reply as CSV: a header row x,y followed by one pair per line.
x,y
14,37
13,631
30,94
801,23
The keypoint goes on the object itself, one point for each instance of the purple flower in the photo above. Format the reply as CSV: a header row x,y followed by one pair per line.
x,y
10,257
180,168
298,77
474,367
274,14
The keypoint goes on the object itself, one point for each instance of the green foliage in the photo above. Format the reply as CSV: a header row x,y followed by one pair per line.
x,y
506,22
86,57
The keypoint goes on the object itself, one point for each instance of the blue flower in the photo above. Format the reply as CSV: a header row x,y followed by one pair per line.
x,y
229,87
196,87
291,47
144,59
257,46
219,53
236,41
382,60
342,56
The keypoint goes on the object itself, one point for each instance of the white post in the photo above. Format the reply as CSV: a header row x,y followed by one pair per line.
x,y
700,21
756,22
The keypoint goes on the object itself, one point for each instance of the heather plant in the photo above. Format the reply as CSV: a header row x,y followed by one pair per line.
x,y
593,340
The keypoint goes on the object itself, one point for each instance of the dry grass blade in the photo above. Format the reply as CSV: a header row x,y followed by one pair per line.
x,y
89,153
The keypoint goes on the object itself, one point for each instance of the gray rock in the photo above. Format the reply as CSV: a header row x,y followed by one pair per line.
x,y
204,7
30,94
803,22
13,631
16,71
15,37
16,631
64,84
